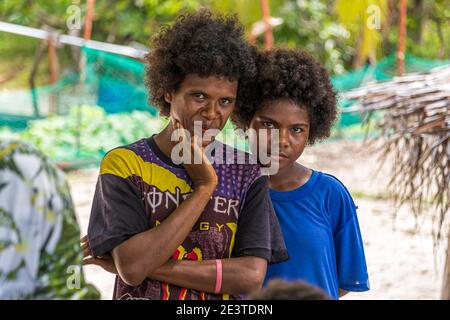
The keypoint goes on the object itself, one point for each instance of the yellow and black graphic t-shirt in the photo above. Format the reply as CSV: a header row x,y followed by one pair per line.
x,y
138,187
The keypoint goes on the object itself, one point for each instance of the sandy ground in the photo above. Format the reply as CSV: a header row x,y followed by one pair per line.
x,y
401,263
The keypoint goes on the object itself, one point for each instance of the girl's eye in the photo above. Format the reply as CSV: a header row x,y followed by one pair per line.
x,y
268,124
297,130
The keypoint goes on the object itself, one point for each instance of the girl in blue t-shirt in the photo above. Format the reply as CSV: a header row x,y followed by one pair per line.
x,y
316,212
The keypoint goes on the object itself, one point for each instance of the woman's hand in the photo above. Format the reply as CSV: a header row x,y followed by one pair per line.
x,y
203,174
106,262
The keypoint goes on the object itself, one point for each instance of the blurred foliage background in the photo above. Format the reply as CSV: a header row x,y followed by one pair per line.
x,y
354,39
334,31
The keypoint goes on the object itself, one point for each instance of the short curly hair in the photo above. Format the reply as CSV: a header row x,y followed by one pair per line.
x,y
292,74
197,43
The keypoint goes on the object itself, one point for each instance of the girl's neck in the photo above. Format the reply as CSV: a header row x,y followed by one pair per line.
x,y
290,177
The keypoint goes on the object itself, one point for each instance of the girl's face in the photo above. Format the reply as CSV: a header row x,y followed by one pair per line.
x,y
291,120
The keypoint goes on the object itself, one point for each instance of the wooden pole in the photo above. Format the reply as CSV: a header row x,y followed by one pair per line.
x,y
89,19
268,35
401,39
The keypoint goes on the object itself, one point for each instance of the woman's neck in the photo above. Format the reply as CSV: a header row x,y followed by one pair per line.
x,y
163,140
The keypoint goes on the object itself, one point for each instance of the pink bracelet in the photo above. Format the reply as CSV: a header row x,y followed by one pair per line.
x,y
218,275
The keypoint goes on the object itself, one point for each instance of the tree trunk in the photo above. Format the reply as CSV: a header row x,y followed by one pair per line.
x,y
31,80
53,70
441,38
418,12
445,294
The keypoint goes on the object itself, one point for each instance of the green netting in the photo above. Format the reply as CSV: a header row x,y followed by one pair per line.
x,y
119,82
113,82
385,69
82,115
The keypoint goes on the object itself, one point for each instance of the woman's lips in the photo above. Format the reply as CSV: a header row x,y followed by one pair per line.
x,y
204,129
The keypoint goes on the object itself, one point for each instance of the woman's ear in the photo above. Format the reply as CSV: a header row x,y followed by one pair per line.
x,y
168,97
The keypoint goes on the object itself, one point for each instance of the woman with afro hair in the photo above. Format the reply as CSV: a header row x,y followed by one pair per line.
x,y
316,212
176,229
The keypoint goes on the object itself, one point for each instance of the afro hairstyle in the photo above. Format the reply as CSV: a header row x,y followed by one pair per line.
x,y
295,75
197,43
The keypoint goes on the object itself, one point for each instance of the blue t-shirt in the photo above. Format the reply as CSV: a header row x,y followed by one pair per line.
x,y
321,231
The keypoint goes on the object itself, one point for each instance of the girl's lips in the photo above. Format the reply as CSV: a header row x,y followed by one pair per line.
x,y
279,156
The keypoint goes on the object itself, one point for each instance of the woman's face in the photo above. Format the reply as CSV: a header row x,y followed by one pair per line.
x,y
206,100
292,123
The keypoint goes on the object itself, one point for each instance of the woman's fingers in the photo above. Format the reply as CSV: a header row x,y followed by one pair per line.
x,y
87,252
88,261
106,264
177,124
84,245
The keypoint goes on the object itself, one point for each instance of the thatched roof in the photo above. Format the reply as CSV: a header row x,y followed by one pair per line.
x,y
415,130
426,94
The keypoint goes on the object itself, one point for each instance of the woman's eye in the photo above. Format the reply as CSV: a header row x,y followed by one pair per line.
x,y
225,102
297,130
268,124
199,96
